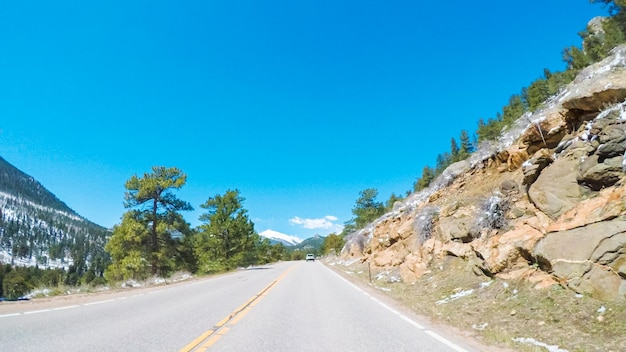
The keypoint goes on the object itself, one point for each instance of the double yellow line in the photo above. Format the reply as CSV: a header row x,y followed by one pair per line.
x,y
208,338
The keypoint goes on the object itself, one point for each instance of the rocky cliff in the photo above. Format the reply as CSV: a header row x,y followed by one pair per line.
x,y
545,203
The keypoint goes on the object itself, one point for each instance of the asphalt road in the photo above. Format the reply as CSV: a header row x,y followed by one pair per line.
x,y
291,306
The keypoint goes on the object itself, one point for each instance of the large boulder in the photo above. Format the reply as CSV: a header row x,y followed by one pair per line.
x,y
456,228
389,257
588,258
510,249
533,167
601,174
599,84
556,190
412,268
547,133
607,205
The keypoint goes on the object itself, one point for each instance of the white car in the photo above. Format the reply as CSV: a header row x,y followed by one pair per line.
x,y
310,257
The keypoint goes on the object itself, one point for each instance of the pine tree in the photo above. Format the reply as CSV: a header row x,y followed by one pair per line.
x,y
227,237
333,243
454,150
443,161
428,175
466,146
145,234
367,209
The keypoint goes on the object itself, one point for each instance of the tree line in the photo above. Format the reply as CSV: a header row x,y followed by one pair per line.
x,y
596,45
43,236
154,239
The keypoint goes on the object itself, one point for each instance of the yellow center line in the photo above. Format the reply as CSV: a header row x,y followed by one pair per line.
x,y
239,316
220,329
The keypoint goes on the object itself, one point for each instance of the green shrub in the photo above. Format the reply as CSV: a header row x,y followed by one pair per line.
x,y
14,285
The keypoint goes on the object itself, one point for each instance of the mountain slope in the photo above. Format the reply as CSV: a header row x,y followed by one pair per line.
x,y
23,186
277,237
36,228
311,244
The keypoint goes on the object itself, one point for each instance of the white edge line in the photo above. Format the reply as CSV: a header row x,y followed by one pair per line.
x,y
405,318
37,311
10,315
67,307
413,322
445,341
99,302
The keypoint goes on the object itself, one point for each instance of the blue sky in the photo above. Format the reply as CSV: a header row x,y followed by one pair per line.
x,y
298,104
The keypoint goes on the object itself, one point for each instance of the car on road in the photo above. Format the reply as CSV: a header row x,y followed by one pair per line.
x,y
310,257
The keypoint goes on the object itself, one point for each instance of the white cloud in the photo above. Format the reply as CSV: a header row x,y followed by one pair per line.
x,y
320,223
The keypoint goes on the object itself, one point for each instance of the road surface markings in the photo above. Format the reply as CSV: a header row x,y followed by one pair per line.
x,y
10,315
210,337
433,334
99,302
66,307
79,305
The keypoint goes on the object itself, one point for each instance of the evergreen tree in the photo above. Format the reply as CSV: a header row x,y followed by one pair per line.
x,y
129,249
575,58
428,175
466,146
454,150
367,209
350,226
513,111
227,237
443,161
333,243
145,234
536,94
277,252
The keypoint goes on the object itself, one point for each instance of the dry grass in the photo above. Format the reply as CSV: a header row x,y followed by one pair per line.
x,y
499,311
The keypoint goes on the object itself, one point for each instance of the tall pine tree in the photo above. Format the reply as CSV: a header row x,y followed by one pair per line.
x,y
145,235
227,238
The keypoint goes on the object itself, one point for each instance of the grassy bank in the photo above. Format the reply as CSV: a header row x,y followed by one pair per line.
x,y
510,314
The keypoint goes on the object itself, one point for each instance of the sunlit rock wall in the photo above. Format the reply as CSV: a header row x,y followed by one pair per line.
x,y
545,202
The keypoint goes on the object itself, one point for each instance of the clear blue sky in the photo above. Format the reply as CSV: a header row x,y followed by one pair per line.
x,y
298,104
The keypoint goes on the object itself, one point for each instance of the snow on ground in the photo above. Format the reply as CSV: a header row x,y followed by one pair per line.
x,y
531,341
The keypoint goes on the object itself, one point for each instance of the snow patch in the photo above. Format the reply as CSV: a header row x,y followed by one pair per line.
x,y
480,327
531,341
280,237
455,296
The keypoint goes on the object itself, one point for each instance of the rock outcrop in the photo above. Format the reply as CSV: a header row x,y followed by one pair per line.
x,y
547,202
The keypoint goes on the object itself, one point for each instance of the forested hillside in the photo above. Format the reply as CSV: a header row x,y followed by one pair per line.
x,y
21,185
39,230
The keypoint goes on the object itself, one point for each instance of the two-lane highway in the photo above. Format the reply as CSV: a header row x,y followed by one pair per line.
x,y
290,306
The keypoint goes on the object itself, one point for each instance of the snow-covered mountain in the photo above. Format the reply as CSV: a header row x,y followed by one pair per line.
x,y
276,236
38,229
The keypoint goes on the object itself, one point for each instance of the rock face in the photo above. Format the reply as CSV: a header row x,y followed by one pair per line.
x,y
547,202
591,257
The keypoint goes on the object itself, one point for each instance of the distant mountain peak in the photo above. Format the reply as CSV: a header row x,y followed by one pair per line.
x,y
276,236
15,182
